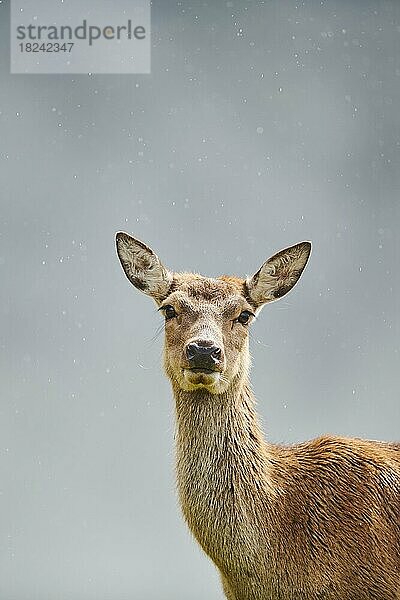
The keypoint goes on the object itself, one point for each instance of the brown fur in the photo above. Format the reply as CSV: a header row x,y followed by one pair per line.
x,y
317,520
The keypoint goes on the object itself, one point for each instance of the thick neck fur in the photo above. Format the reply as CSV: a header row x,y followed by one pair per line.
x,y
222,471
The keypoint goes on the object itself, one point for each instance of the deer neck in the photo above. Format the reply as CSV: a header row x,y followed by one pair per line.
x,y
219,423
223,466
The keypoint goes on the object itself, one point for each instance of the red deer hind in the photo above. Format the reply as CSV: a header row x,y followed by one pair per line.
x,y
317,520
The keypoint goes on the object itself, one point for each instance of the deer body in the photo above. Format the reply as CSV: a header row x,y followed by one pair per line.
x,y
318,520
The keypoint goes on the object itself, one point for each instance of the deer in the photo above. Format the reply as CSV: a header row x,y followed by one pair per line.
x,y
318,520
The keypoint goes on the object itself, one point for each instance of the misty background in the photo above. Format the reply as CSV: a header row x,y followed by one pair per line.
x,y
261,125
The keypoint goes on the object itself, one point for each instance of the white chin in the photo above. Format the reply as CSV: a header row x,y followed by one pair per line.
x,y
201,379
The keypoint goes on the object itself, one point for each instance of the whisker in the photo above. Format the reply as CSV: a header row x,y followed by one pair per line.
x,y
159,329
256,340
260,343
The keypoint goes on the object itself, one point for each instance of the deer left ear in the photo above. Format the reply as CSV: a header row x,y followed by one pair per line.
x,y
278,274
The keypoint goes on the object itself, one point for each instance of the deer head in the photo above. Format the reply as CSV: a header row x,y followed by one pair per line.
x,y
207,319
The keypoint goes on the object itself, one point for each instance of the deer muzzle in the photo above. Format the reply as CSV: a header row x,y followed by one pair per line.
x,y
204,362
203,356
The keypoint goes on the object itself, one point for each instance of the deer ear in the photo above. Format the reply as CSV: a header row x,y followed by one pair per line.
x,y
278,274
142,267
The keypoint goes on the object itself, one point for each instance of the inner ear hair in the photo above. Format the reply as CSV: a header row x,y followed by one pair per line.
x,y
278,274
142,267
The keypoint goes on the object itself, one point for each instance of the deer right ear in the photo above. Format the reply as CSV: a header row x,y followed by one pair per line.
x,y
142,267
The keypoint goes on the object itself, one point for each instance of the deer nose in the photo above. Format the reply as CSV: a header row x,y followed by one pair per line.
x,y
203,354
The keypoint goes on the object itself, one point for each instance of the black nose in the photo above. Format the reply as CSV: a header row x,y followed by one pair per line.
x,y
203,355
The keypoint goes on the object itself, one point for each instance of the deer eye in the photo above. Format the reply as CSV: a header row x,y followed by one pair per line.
x,y
244,317
169,312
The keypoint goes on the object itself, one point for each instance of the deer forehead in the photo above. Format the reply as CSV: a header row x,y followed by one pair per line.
x,y
199,295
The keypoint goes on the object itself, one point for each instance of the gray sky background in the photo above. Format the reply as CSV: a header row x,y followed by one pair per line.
x,y
262,124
